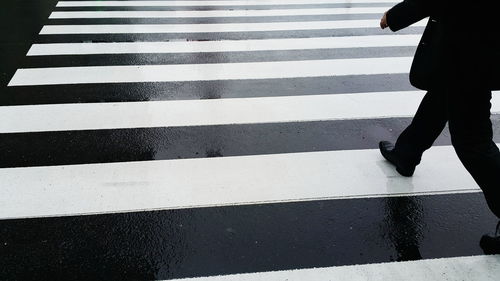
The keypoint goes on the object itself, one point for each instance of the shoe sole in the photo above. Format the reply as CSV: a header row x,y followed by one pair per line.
x,y
403,173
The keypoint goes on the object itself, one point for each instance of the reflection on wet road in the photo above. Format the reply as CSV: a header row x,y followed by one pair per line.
x,y
229,140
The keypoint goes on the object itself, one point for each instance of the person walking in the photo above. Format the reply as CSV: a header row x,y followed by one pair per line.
x,y
456,63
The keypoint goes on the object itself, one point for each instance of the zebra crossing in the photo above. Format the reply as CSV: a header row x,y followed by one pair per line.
x,y
475,268
226,140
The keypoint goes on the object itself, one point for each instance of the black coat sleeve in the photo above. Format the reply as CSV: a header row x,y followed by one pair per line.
x,y
407,13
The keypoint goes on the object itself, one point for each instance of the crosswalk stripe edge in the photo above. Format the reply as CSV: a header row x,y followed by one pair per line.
x,y
209,72
218,14
207,3
66,117
149,185
224,45
457,268
210,27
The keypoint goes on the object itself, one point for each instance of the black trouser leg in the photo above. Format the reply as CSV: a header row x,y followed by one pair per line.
x,y
426,126
472,138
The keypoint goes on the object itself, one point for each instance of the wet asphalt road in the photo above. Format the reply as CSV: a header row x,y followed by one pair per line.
x,y
208,241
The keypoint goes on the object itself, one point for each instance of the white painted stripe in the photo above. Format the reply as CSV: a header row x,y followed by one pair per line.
x,y
223,46
210,3
209,27
189,183
88,116
217,13
209,72
484,268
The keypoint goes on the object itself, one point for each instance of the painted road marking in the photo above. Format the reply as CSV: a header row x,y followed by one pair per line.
x,y
177,113
485,268
209,72
210,3
209,27
190,183
224,46
216,14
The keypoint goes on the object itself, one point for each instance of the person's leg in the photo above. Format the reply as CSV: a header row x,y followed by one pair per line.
x,y
426,126
472,138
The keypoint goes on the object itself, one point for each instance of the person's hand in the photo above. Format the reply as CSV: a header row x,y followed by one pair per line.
x,y
383,21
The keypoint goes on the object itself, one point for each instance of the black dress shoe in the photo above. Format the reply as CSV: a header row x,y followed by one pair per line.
x,y
387,150
491,244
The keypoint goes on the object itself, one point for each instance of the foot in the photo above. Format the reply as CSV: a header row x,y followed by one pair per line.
x,y
491,244
387,150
